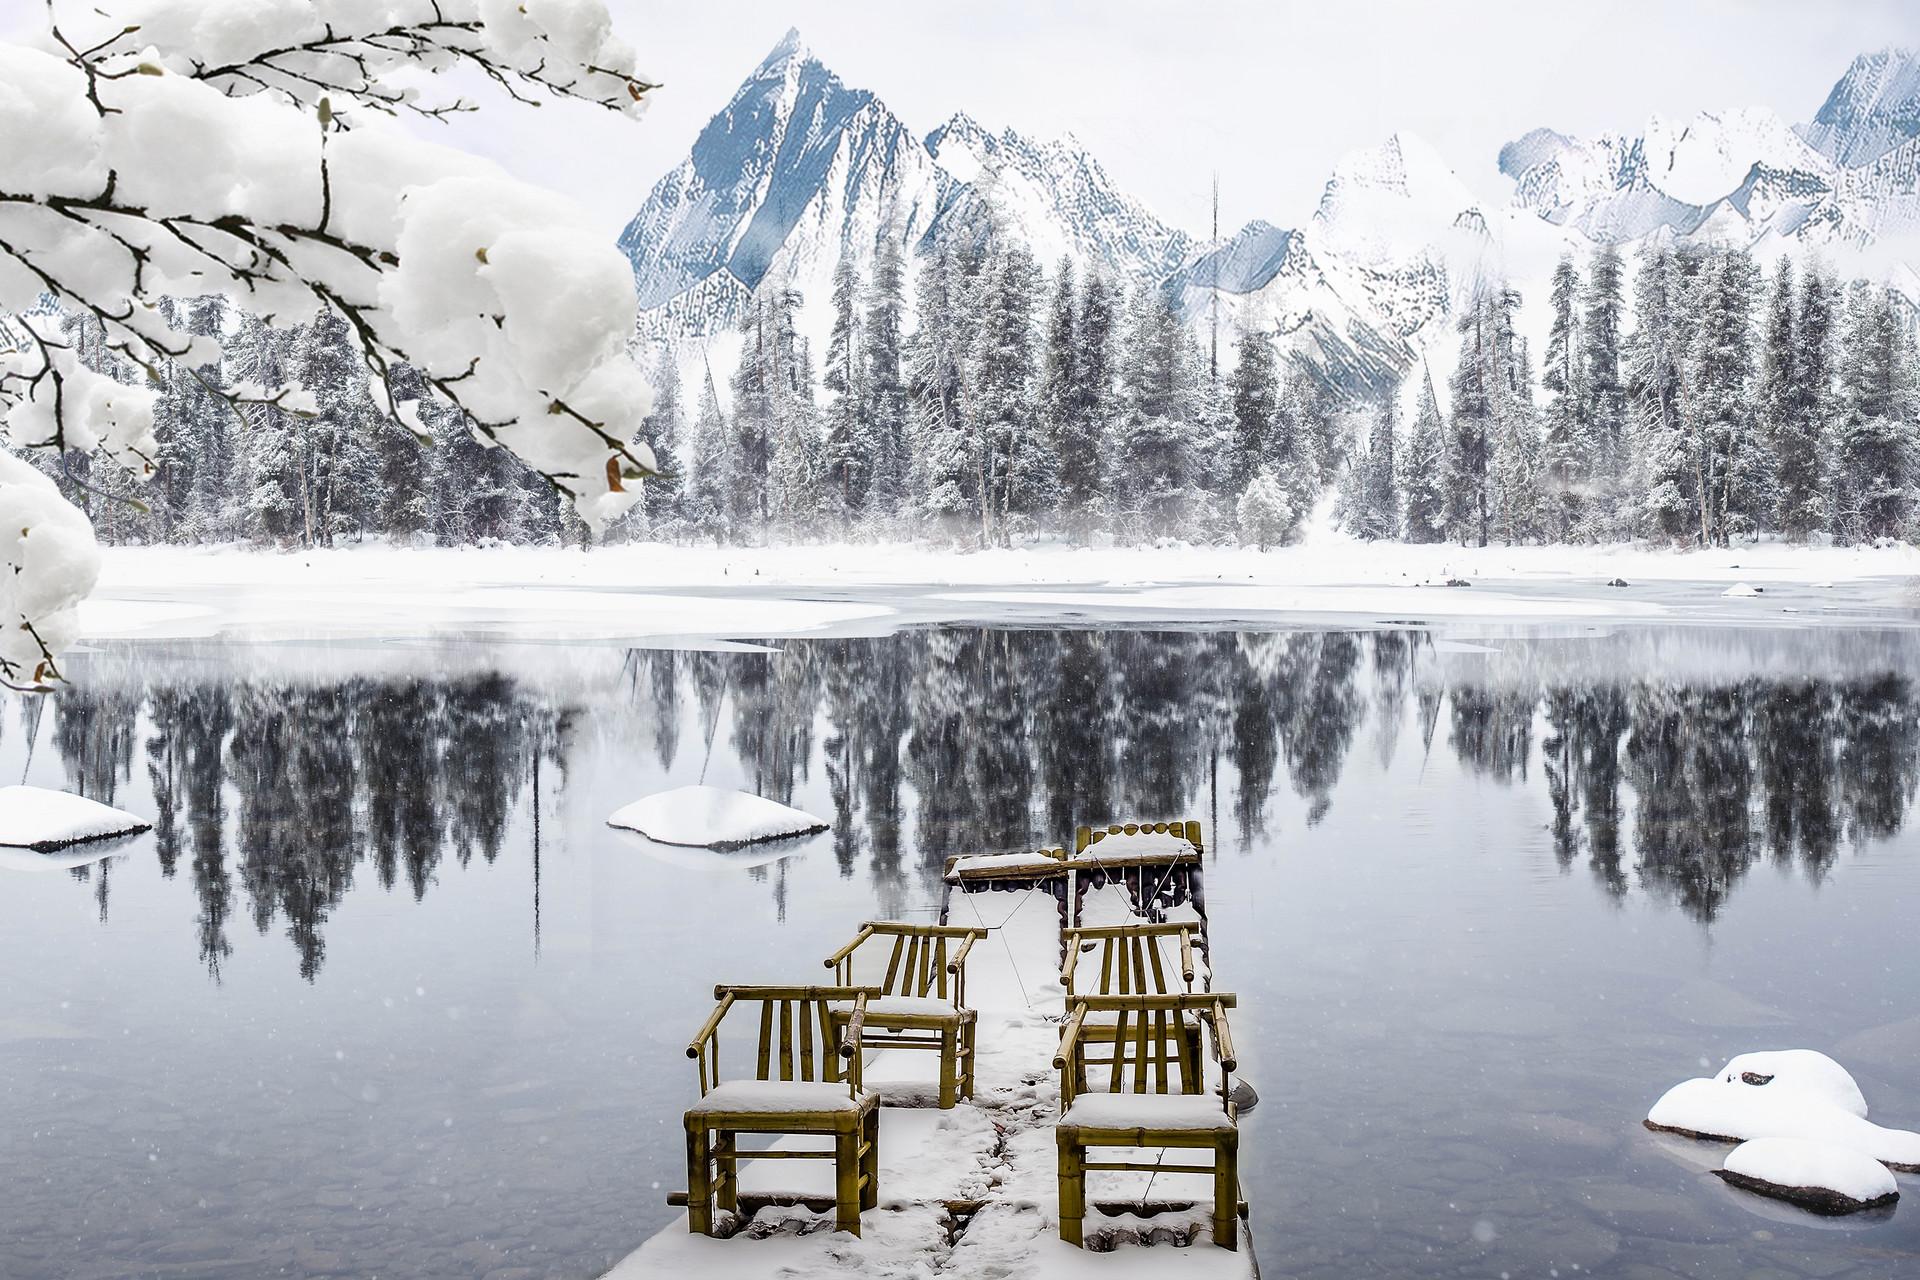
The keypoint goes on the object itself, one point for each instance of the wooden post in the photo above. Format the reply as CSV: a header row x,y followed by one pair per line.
x,y
870,1162
949,1065
726,1162
699,1189
1073,1189
1226,1189
846,1180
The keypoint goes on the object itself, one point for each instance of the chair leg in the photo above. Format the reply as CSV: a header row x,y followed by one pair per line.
x,y
726,1182
970,1037
699,1187
846,1180
949,1066
1073,1189
1226,1193
870,1162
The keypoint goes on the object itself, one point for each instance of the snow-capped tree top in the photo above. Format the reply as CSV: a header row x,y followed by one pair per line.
x,y
181,148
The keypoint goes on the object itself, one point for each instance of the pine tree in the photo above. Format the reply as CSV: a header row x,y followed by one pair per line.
x,y
710,464
1255,387
1876,441
847,451
1485,390
944,475
1655,368
1729,456
269,468
885,413
1787,417
1082,438
1568,451
663,499
1158,432
1017,470
1424,472
1266,516
1606,410
1374,508
1058,376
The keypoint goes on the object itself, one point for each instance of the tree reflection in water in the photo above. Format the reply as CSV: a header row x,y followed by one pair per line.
x,y
275,797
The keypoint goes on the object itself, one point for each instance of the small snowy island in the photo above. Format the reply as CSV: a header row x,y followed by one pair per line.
x,y
44,820
713,818
1801,1122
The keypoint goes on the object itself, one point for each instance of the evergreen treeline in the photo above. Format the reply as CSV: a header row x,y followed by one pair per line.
x,y
1692,399
1732,405
266,472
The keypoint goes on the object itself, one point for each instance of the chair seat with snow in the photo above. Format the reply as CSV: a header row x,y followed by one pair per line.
x,y
798,1087
921,994
1155,1097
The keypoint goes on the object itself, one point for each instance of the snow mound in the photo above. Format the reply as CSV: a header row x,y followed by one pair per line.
x,y
1740,591
1815,1175
37,818
1792,1094
713,818
1803,1070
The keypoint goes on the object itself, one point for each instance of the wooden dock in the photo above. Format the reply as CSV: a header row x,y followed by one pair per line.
x,y
974,1190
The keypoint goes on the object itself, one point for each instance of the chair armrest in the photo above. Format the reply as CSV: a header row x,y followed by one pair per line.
x,y
866,931
1073,962
712,1025
856,1026
1222,1038
1070,1037
959,959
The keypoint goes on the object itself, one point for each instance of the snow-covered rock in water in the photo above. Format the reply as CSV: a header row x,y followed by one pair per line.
x,y
36,818
1796,1094
1741,591
713,818
1801,1070
1815,1175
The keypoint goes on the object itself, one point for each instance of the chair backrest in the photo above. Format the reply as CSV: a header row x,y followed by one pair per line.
x,y
1147,1057
1134,959
920,959
805,1033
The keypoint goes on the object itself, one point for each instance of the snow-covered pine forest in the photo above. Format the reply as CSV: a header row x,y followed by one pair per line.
x,y
1686,395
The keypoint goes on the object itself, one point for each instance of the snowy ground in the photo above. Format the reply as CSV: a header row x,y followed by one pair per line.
x,y
650,592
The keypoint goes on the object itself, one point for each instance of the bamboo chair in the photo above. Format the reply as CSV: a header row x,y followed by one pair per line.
x,y
798,1087
1154,1098
1134,961
922,1000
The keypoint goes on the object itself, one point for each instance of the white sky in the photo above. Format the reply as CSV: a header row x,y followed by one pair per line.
x,y
1269,94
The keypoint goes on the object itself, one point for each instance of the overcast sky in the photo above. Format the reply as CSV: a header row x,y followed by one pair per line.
x,y
1270,94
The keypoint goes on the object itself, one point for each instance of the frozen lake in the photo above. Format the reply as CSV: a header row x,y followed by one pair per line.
x,y
382,995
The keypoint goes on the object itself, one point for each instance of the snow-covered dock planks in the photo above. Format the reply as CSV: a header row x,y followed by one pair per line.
x,y
974,1190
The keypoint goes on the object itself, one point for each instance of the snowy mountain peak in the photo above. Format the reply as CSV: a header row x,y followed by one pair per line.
x,y
790,49
1873,109
1382,200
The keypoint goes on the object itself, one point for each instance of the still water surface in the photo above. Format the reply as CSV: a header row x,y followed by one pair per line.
x,y
382,996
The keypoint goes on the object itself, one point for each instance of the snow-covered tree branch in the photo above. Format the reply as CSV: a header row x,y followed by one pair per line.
x,y
184,148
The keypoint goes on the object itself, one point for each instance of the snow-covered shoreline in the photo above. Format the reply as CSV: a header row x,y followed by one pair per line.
x,y
651,591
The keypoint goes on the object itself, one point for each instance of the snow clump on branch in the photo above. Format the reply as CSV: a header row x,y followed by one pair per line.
x,y
155,148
